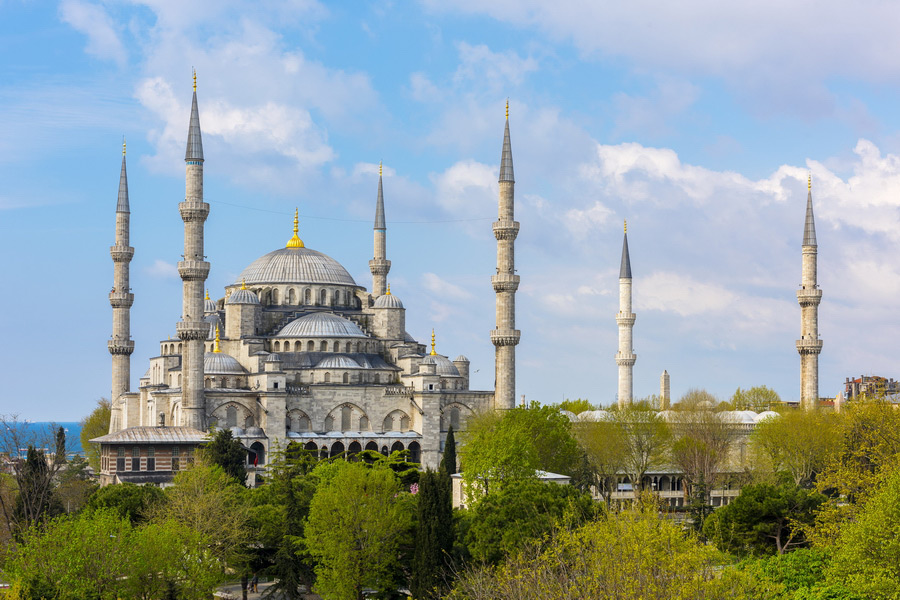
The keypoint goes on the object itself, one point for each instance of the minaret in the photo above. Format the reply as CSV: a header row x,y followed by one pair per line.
x,y
379,265
192,329
664,391
505,336
625,357
120,298
809,296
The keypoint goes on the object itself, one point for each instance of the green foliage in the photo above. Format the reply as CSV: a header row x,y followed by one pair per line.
x,y
645,439
35,501
603,444
797,442
358,519
448,461
434,536
696,398
75,485
93,426
407,472
522,511
576,406
127,500
223,450
513,445
758,398
764,519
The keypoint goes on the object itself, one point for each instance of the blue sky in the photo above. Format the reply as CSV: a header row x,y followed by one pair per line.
x,y
697,122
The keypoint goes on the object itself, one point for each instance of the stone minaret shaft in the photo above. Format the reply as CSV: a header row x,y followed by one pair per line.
x,y
625,357
505,336
192,330
120,298
379,265
809,296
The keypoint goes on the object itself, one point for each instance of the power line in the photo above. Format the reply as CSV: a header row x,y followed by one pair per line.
x,y
317,218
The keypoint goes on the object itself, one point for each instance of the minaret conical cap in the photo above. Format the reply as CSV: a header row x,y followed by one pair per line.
x,y
506,160
379,205
809,230
625,269
122,204
194,142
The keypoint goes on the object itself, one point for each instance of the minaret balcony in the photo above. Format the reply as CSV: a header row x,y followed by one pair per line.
x,y
625,318
193,270
193,211
505,230
192,330
121,253
120,347
505,337
809,296
809,346
505,282
121,299
626,359
379,266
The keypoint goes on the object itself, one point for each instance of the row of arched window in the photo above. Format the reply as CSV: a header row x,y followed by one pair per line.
x,y
354,447
324,346
350,420
307,296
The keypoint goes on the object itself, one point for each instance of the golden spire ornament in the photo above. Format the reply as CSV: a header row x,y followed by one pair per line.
x,y
216,347
296,242
433,353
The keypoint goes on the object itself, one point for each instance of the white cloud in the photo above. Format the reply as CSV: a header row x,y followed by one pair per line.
x,y
161,269
497,70
466,188
443,288
93,21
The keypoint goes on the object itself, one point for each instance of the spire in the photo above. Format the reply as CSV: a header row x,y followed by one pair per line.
x,y
243,284
625,269
388,292
122,205
216,347
433,353
207,295
194,143
506,161
295,242
379,205
809,231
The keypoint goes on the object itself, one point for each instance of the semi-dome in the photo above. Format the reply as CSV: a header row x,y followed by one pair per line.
x,y
338,361
296,265
273,358
242,296
442,365
219,363
321,325
387,301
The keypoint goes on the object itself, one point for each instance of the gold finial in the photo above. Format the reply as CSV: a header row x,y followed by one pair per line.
x,y
379,168
389,290
207,295
296,242
626,225
432,343
809,181
243,284
123,145
507,109
216,347
195,78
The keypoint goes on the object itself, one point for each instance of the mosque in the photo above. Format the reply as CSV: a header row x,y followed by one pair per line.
x,y
295,351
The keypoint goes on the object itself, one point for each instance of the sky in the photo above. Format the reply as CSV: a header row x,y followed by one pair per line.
x,y
698,122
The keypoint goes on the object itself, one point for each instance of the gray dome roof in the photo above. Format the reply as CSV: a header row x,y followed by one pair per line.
x,y
338,361
321,325
273,358
214,320
443,366
296,265
240,296
209,306
387,301
255,432
219,363
461,358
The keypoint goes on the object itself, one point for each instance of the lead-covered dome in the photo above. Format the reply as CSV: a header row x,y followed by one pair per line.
x,y
442,365
387,301
321,325
242,296
338,361
296,265
219,363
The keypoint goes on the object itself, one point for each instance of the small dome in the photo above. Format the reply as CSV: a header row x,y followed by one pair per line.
x,y
460,358
321,325
209,306
255,432
241,296
766,414
338,361
296,265
407,337
572,417
593,415
214,321
219,363
273,358
387,301
443,366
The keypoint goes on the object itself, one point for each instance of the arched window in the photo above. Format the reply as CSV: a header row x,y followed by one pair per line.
x,y
347,347
323,297
404,423
310,346
337,346
346,377
230,417
179,348
397,447
388,424
257,454
454,418
337,448
364,423
346,413
377,378
274,296
311,446
307,296
277,346
327,377
323,346
354,448
415,452
303,423
329,423
248,422
298,346
372,446
290,296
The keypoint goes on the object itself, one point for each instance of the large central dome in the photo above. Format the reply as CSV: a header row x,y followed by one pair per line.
x,y
296,265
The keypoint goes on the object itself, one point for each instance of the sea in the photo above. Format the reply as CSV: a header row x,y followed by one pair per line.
x,y
45,430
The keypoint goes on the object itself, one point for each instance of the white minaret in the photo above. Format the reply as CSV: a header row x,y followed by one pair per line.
x,y
380,265
625,357
192,329
120,298
809,296
505,336
664,391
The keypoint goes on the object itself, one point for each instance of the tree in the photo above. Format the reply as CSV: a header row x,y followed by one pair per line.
x,y
75,485
645,438
358,518
434,535
576,406
35,481
127,500
506,520
223,450
448,461
764,519
696,398
797,442
603,443
758,398
93,426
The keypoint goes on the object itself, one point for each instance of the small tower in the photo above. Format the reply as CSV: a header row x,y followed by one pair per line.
x,y
625,357
379,265
809,296
192,329
120,298
665,392
505,336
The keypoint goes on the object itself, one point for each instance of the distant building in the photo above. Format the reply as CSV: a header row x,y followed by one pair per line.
x,y
870,385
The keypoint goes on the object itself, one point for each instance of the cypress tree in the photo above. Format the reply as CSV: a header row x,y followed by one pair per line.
x,y
448,462
428,560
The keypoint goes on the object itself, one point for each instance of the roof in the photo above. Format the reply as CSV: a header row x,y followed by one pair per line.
x,y
194,149
379,207
442,365
122,205
320,324
296,265
337,361
506,160
242,296
153,435
219,363
387,301
809,229
309,360
625,269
